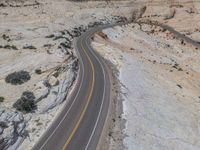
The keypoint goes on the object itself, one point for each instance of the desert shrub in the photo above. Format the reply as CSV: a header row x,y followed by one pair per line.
x,y
17,78
50,36
26,103
3,124
11,47
38,71
180,69
1,99
5,37
29,47
179,86
39,124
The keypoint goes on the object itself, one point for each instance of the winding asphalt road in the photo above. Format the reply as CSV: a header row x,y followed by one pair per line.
x,y
80,123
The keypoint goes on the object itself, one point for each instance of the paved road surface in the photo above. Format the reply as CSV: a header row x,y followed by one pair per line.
x,y
79,125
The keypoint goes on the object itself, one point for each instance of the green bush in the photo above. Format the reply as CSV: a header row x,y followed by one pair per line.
x,y
26,103
18,77
1,99
38,71
11,47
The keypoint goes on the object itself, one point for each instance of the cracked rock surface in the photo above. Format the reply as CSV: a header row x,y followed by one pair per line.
x,y
37,37
159,75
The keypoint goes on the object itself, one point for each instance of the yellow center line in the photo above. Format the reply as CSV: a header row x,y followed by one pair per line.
x,y
86,106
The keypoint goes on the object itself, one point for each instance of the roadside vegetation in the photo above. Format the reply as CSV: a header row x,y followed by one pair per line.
x,y
2,99
18,78
38,71
26,103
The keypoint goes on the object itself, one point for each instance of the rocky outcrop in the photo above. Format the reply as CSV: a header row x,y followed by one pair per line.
x,y
62,90
12,129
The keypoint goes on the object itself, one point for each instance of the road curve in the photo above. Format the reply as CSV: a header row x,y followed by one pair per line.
x,y
80,123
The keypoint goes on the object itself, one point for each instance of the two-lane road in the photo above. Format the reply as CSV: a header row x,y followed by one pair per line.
x,y
80,124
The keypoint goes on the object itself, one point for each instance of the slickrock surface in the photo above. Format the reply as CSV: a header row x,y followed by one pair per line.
x,y
160,80
37,37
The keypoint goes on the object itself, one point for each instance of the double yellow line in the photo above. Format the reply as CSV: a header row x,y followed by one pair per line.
x,y
87,104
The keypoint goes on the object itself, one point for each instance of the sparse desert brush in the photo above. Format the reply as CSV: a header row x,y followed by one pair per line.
x,y
26,103
18,78
1,99
38,71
